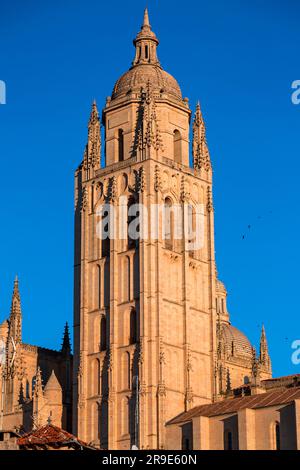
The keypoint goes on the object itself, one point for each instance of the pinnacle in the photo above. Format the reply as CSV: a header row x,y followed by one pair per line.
x,y
16,284
146,22
263,337
94,113
66,344
16,302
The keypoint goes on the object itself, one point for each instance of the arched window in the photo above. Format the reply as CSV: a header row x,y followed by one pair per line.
x,y
133,327
177,146
121,145
228,440
103,334
168,224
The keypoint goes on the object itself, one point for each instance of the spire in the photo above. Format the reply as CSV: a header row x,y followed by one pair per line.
x,y
93,148
146,43
146,19
255,376
201,156
66,344
148,130
264,357
15,327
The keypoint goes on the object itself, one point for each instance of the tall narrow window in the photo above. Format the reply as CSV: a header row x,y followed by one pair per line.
x,y
103,337
133,327
121,144
177,146
125,416
105,241
146,52
97,377
126,279
168,224
126,371
98,288
277,436
132,243
191,229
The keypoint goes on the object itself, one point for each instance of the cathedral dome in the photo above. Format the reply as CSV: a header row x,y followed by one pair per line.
x,y
236,343
146,68
138,77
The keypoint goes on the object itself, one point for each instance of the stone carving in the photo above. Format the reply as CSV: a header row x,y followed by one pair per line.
x,y
91,158
185,194
200,150
157,179
210,206
84,199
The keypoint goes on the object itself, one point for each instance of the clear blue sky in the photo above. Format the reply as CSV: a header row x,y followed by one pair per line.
x,y
239,58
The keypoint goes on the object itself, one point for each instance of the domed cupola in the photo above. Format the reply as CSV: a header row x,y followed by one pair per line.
x,y
146,68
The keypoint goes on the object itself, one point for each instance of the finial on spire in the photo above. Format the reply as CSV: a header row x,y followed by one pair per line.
x,y
94,116
91,159
146,19
200,149
15,321
16,284
146,43
264,357
66,344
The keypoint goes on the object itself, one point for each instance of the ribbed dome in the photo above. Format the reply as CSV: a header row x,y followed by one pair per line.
x,y
138,77
236,341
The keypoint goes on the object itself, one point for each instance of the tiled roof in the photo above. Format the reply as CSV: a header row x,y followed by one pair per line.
x,y
283,378
237,339
278,397
49,435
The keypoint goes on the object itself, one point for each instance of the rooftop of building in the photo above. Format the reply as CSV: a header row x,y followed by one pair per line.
x,y
228,406
51,436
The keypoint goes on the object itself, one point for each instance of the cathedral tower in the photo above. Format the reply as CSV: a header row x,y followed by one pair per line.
x,y
145,326
144,309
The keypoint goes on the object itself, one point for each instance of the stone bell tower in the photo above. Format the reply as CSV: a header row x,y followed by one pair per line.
x,y
144,309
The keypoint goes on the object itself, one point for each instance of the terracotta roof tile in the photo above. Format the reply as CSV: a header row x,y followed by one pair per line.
x,y
47,435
